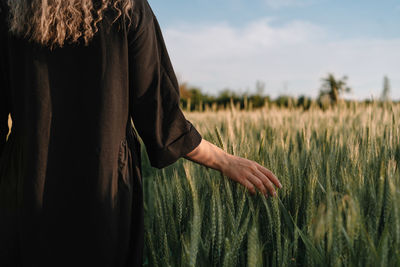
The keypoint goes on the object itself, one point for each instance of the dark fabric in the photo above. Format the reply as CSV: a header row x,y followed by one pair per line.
x,y
70,172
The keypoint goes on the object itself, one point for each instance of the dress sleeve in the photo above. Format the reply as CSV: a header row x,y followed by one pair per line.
x,y
154,93
4,85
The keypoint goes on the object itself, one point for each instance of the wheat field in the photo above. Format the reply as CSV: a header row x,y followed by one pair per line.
x,y
339,205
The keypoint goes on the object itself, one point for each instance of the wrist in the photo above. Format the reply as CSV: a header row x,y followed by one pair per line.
x,y
224,161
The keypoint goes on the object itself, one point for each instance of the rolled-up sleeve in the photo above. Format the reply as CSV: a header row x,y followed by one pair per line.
x,y
154,94
5,108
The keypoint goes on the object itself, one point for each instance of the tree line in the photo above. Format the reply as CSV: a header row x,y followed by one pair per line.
x,y
331,92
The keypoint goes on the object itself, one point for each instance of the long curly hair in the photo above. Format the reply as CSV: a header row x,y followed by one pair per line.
x,y
54,22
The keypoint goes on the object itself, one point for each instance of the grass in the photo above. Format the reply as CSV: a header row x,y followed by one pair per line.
x,y
339,205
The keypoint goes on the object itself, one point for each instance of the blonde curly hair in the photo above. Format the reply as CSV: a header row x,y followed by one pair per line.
x,y
54,22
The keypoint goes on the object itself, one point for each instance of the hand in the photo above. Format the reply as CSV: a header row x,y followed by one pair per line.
x,y
247,172
250,174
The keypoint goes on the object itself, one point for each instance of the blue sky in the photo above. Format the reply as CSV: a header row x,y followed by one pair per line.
x,y
288,44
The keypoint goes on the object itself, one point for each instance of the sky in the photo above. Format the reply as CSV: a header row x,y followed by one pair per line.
x,y
289,45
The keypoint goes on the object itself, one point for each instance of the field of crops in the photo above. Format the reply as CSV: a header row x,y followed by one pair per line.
x,y
339,205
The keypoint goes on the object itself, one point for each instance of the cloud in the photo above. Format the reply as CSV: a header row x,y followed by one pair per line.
x,y
288,3
294,56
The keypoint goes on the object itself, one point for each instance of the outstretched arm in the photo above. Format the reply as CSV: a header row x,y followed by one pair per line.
x,y
246,172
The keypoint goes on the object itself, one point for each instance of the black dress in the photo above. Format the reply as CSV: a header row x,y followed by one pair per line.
x,y
70,171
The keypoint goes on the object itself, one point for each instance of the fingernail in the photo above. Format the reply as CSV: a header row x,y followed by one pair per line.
x,y
280,185
274,193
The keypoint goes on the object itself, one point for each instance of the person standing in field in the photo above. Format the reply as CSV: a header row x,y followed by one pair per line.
x,y
72,76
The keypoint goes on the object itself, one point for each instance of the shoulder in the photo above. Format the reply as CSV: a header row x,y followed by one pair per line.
x,y
142,17
141,7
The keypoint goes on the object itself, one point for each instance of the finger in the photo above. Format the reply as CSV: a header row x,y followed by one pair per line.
x,y
270,175
266,181
257,182
249,186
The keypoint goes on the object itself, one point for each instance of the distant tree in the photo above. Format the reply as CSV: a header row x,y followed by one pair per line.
x,y
285,101
192,96
224,97
258,100
334,87
304,102
386,89
195,95
184,91
260,87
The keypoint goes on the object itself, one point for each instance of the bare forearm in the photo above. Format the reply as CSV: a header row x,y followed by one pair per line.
x,y
209,155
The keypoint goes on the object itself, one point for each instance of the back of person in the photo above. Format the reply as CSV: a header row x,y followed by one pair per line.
x,y
70,172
